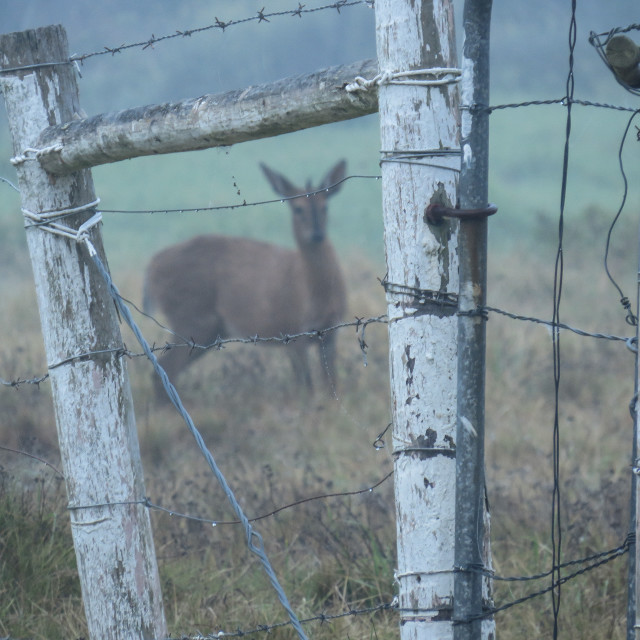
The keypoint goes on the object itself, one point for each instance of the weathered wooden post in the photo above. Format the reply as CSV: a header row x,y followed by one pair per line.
x,y
91,394
420,164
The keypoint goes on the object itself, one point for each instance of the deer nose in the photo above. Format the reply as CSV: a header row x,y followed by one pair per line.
x,y
317,229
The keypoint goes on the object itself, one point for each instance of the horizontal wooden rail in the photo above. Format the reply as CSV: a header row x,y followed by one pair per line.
x,y
224,119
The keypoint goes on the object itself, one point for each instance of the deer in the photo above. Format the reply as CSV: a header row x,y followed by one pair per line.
x,y
214,287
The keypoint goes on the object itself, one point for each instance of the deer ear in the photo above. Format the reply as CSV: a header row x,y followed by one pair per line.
x,y
335,177
279,183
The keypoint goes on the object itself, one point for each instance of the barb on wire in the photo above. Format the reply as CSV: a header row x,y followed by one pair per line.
x,y
322,618
221,25
18,382
258,16
359,324
217,345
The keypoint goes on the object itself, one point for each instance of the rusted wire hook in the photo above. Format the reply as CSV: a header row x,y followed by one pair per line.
x,y
435,213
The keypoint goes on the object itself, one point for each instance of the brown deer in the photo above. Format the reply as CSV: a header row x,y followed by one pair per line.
x,y
216,286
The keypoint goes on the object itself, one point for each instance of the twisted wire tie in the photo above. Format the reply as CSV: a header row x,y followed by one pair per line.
x,y
34,154
440,76
45,221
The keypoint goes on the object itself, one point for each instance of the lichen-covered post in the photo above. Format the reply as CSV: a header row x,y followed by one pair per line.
x,y
420,165
92,399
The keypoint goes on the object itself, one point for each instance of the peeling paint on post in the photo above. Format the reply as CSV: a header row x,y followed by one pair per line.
x,y
92,398
422,281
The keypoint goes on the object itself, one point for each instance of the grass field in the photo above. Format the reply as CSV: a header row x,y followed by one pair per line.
x,y
276,447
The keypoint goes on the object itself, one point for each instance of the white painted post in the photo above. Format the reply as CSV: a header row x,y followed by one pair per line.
x,y
92,399
419,133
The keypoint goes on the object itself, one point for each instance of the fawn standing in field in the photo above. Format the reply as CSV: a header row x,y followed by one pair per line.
x,y
216,286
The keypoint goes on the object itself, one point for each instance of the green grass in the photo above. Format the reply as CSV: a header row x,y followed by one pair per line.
x,y
39,587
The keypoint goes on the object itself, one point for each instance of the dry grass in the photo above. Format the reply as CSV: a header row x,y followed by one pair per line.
x,y
276,447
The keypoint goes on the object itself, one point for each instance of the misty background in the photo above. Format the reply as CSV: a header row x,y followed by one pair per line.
x,y
529,51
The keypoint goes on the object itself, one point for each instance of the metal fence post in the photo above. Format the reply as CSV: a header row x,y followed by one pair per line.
x,y
472,594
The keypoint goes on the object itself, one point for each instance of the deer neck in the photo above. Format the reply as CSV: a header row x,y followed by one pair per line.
x,y
320,265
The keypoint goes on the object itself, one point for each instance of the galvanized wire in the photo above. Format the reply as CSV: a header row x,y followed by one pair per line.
x,y
253,539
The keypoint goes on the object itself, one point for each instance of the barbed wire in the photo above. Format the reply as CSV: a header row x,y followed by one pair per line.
x,y
359,324
321,618
219,25
595,560
217,345
18,382
602,559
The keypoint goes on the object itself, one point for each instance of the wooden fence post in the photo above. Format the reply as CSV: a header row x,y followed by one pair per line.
x,y
92,399
420,165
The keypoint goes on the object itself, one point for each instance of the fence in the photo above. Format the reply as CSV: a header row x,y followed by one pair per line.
x,y
595,559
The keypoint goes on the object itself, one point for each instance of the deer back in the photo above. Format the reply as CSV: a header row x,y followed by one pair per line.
x,y
216,286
